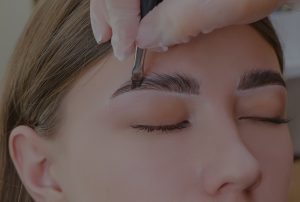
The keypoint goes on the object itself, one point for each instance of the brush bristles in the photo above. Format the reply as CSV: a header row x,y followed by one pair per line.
x,y
136,83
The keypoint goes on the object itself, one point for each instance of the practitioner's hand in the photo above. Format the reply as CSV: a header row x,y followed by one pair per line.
x,y
171,22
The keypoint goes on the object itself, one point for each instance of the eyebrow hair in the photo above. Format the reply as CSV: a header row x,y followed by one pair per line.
x,y
178,83
181,83
260,78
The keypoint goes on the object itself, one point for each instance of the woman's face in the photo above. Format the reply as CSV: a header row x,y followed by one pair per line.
x,y
202,128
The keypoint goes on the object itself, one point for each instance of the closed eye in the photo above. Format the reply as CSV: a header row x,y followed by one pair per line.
x,y
273,120
163,128
185,124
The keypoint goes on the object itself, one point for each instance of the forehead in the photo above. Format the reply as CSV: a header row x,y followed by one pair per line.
x,y
220,57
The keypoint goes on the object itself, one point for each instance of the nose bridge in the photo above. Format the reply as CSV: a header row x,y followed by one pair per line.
x,y
231,166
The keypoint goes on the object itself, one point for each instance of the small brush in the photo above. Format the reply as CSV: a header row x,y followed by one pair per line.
x,y
138,68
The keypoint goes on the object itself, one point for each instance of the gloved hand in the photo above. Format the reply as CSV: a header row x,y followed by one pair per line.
x,y
171,22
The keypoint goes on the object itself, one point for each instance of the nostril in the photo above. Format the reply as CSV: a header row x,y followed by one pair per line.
x,y
256,183
224,186
230,186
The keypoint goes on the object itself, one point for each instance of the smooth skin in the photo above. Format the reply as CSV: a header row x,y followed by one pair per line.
x,y
171,22
97,156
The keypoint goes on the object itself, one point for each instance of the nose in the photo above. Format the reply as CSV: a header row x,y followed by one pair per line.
x,y
234,171
233,168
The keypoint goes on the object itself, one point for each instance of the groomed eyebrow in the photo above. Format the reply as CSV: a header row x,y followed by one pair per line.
x,y
181,83
260,78
177,83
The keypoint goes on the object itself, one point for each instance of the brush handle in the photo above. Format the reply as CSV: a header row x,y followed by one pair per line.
x,y
138,68
148,5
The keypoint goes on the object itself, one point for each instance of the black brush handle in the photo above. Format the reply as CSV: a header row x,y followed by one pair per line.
x,y
148,5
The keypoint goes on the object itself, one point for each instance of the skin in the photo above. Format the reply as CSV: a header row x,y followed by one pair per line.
x,y
97,156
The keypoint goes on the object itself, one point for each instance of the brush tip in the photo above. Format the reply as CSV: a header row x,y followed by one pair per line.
x,y
136,83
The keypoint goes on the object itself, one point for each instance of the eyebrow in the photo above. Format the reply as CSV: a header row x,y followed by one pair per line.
x,y
183,84
260,78
178,83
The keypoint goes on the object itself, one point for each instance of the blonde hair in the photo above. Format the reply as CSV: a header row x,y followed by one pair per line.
x,y
56,47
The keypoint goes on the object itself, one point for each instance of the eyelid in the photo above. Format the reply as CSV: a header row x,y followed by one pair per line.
x,y
163,128
270,102
274,120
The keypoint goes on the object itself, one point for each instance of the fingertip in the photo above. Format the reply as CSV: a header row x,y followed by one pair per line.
x,y
149,32
123,40
106,35
122,51
101,29
121,55
146,37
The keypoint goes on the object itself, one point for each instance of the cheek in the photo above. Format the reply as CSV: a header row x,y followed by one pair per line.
x,y
272,148
101,163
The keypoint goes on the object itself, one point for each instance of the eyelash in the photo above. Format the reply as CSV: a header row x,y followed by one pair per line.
x,y
276,120
184,124
163,128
